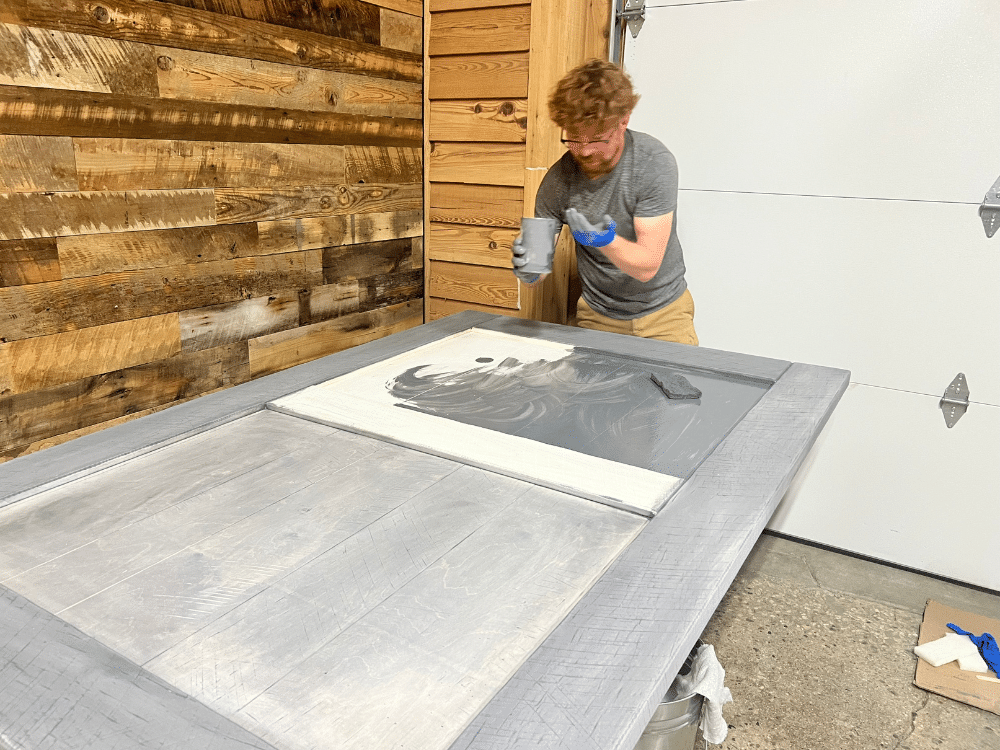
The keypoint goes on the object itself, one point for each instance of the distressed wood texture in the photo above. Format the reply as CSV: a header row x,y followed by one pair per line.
x,y
477,163
30,111
171,172
119,163
484,246
483,285
475,204
464,32
152,22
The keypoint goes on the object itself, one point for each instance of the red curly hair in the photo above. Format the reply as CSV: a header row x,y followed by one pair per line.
x,y
597,92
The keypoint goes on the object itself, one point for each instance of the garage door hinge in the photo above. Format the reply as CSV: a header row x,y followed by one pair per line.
x,y
955,400
989,211
634,13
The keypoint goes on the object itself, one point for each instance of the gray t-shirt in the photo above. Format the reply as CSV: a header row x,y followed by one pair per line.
x,y
644,184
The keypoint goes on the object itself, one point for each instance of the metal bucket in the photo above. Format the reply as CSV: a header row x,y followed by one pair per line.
x,y
674,725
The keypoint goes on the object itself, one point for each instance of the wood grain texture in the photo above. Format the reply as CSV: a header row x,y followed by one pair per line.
x,y
442,308
185,28
125,163
54,307
478,76
25,215
92,255
202,77
402,31
382,164
391,289
272,353
484,246
45,361
464,32
287,235
32,164
29,262
411,7
483,285
475,204
53,59
234,206
503,120
28,111
436,6
229,323
329,301
29,417
477,163
71,691
352,262
347,19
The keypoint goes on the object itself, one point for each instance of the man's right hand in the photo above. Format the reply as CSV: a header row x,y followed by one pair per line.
x,y
519,258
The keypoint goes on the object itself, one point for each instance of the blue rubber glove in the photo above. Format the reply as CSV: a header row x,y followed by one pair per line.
x,y
987,646
518,259
588,234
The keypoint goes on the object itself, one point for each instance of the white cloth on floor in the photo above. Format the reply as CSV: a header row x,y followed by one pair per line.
x,y
707,678
943,650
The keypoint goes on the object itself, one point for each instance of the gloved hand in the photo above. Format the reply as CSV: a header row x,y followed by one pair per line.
x,y
519,257
586,233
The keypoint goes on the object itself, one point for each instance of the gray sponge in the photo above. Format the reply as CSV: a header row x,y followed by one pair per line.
x,y
676,386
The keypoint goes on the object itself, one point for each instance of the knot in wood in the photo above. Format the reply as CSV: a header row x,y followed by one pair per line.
x,y
493,245
507,109
102,14
478,108
332,98
302,53
163,62
325,203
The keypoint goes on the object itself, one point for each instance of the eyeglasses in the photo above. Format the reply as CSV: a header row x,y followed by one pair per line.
x,y
580,144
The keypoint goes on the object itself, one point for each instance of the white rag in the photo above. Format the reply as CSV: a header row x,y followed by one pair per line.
x,y
707,678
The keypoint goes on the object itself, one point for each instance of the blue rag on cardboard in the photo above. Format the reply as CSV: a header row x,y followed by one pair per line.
x,y
987,646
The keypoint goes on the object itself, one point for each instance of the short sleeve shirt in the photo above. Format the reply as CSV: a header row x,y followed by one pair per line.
x,y
644,184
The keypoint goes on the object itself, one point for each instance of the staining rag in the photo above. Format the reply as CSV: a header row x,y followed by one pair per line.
x,y
986,644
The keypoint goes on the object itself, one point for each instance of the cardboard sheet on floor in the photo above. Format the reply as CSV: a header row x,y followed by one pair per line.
x,y
979,690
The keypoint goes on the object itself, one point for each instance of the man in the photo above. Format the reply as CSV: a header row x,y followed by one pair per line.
x,y
617,191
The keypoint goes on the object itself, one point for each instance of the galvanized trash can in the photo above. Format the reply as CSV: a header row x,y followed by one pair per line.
x,y
674,725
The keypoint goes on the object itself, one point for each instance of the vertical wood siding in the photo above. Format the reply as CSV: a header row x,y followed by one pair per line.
x,y
194,193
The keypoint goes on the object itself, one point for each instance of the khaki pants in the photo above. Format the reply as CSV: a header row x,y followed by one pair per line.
x,y
675,322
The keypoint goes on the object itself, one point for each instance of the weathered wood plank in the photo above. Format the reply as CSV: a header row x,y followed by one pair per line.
x,y
465,32
234,206
349,229
347,19
28,111
95,254
483,285
53,59
29,262
228,323
28,417
186,28
485,246
503,120
477,163
25,215
475,204
281,350
441,308
402,31
479,76
392,289
198,76
352,262
126,163
382,164
44,361
31,164
54,307
329,301
411,7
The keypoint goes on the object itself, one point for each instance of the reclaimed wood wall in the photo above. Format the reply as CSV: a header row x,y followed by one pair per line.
x,y
491,66
195,193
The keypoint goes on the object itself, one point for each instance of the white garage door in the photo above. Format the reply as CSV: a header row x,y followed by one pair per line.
x,y
832,159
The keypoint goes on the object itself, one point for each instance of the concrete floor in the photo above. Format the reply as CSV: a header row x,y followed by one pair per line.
x,y
818,652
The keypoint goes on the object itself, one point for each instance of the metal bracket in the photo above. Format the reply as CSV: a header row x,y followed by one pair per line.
x,y
989,212
955,400
634,14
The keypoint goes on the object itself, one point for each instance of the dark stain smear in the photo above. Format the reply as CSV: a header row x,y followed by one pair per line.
x,y
589,402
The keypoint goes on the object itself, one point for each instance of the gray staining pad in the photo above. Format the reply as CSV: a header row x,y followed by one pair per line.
x,y
589,402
